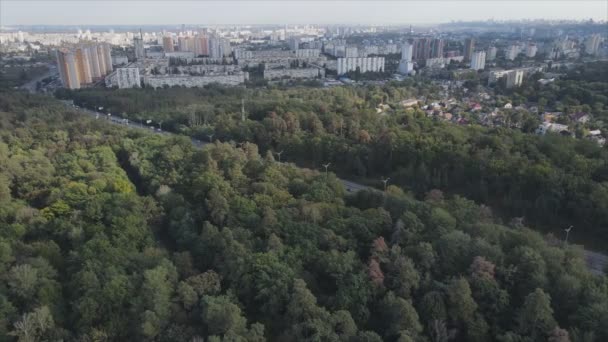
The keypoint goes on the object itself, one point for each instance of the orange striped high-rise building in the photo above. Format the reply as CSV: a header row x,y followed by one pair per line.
x,y
84,64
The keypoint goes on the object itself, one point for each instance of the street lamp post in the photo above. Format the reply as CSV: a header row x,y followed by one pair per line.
x,y
279,154
385,181
567,230
326,166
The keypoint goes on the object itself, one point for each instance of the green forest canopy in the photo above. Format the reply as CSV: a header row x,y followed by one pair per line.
x,y
115,234
550,181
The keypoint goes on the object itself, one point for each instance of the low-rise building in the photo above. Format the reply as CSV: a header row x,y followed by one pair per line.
x,y
159,81
307,53
552,127
273,74
408,103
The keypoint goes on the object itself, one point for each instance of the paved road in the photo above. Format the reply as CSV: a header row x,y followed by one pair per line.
x,y
348,185
596,262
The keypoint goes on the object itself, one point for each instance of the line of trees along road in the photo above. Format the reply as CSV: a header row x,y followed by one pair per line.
x,y
116,234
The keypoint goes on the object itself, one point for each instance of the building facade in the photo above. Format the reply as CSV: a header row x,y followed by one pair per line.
x,y
128,77
592,44
469,48
531,50
406,52
168,44
364,64
66,64
512,52
140,52
273,74
491,53
514,78
159,81
478,60
83,64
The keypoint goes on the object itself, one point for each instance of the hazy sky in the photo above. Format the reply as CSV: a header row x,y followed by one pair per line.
x,y
141,12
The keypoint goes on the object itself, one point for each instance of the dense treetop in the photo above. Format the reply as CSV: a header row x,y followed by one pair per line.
x,y
115,234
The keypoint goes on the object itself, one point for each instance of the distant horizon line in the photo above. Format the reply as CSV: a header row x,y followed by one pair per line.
x,y
526,20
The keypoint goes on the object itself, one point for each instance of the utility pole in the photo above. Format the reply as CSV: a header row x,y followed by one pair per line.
x,y
567,230
385,181
243,110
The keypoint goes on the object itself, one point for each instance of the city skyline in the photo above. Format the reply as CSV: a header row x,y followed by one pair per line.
x,y
290,12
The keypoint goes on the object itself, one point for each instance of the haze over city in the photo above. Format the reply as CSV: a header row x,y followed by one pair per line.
x,y
289,12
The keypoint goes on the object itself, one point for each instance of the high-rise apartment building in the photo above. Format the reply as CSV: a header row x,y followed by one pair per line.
x,y
83,64
512,52
168,44
469,48
104,58
515,78
185,44
531,50
363,64
437,48
128,77
66,64
406,52
421,49
138,44
491,53
592,44
294,43
478,60
94,58
219,47
351,51
201,46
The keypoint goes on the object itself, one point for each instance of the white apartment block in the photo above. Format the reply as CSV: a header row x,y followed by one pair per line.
x,y
592,44
406,52
128,77
531,50
308,53
512,52
491,53
351,51
388,49
368,50
364,64
478,60
405,67
514,77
